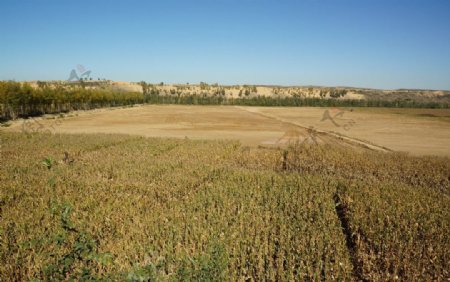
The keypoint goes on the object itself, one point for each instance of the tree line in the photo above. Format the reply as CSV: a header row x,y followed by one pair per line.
x,y
294,101
22,100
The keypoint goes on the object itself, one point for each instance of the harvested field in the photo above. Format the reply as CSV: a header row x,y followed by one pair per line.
x,y
416,131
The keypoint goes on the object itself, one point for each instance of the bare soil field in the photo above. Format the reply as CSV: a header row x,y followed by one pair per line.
x,y
416,131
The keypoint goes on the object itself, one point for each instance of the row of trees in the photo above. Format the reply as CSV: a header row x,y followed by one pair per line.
x,y
22,100
288,102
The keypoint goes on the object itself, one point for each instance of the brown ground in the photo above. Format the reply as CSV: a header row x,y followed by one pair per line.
x,y
417,131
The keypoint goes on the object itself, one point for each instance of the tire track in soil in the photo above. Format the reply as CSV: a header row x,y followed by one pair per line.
x,y
326,135
341,212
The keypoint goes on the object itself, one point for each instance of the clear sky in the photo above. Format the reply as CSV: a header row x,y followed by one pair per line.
x,y
363,43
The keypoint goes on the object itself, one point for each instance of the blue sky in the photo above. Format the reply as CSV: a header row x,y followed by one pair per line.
x,y
362,43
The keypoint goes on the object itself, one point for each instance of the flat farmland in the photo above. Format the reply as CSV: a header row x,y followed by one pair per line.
x,y
101,199
416,131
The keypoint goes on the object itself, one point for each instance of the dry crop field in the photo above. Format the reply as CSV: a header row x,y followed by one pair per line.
x,y
118,207
113,205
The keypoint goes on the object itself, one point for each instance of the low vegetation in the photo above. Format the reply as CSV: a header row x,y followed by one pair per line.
x,y
115,207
